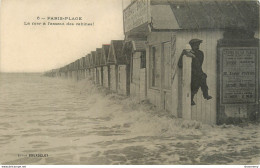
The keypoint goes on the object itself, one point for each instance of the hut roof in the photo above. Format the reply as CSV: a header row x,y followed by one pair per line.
x,y
115,53
105,50
205,14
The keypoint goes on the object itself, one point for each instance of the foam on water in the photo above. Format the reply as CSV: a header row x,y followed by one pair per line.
x,y
79,123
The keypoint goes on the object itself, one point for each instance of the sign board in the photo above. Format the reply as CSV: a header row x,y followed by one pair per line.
x,y
238,75
136,14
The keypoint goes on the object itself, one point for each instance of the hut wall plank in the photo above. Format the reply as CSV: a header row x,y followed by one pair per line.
x,y
175,96
186,93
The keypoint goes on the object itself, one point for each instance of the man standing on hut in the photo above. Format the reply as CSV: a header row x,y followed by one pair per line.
x,y
198,77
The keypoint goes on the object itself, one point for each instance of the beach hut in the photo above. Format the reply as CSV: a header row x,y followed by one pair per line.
x,y
86,66
105,67
93,66
81,68
135,52
66,71
75,71
114,59
70,70
230,34
89,65
99,69
63,72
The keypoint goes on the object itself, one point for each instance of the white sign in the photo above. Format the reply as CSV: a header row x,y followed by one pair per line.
x,y
136,14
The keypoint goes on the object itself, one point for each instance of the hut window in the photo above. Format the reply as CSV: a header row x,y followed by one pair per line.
x,y
143,60
155,66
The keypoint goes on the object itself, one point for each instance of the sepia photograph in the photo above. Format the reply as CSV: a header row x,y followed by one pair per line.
x,y
130,82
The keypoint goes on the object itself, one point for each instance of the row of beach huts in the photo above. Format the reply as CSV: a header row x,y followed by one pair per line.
x,y
109,67
144,64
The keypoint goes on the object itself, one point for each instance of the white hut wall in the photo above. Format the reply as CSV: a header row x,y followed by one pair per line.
x,y
137,78
122,79
88,73
91,74
94,75
257,35
105,77
99,79
159,70
113,77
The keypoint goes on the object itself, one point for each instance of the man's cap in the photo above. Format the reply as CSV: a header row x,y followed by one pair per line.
x,y
193,41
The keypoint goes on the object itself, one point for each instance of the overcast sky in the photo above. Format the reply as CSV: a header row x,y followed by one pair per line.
x,y
29,48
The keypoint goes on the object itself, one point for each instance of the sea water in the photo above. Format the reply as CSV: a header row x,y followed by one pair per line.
x,y
59,121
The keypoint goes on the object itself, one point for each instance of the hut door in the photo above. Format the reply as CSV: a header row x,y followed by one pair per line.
x,y
166,76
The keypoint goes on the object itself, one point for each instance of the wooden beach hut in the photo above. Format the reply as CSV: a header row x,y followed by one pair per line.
x,y
70,70
230,34
63,72
86,66
66,67
105,66
99,69
89,65
81,68
75,73
92,66
135,52
114,59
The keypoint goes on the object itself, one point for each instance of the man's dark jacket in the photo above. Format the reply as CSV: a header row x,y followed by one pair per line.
x,y
196,65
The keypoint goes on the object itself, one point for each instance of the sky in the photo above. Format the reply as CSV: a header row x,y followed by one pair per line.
x,y
38,48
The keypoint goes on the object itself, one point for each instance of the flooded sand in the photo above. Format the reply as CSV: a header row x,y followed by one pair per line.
x,y
69,122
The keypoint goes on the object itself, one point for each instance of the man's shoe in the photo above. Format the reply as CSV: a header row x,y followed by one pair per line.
x,y
208,97
193,103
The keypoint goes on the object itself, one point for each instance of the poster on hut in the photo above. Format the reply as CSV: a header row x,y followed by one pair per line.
x,y
129,82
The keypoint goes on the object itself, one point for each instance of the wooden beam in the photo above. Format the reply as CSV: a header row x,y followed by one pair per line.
x,y
186,88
